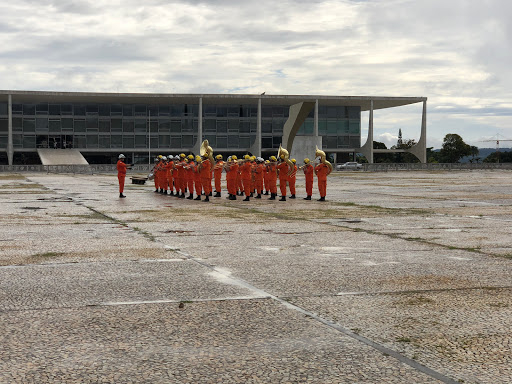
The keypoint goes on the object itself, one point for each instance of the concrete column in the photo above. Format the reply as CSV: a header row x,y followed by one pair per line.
x,y
256,146
367,148
420,148
10,147
197,145
370,133
315,132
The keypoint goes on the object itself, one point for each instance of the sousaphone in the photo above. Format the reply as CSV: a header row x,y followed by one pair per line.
x,y
206,150
323,158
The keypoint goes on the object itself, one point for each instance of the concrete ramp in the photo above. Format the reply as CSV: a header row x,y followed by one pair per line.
x,y
61,157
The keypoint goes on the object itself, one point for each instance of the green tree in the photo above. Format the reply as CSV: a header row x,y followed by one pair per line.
x,y
453,149
381,157
499,157
405,157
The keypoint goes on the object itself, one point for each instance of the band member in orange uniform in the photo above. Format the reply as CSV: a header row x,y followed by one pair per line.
x,y
179,169
170,169
292,178
155,173
217,173
231,177
308,170
163,175
265,177
321,172
258,171
205,170
246,176
121,173
194,167
283,169
272,177
239,185
189,174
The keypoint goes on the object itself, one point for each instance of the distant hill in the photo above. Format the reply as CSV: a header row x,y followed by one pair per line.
x,y
483,153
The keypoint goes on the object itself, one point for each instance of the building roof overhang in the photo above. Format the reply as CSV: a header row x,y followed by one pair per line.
x,y
379,102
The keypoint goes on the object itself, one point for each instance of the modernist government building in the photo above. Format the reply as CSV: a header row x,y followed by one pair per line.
x,y
141,126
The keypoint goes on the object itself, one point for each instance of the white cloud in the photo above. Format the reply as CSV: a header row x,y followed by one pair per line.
x,y
457,53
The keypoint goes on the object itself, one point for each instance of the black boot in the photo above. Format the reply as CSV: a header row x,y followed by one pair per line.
x,y
251,195
210,194
259,196
308,198
156,190
165,192
217,194
232,197
190,197
321,199
292,197
171,193
266,193
272,196
198,197
246,199
121,195
182,196
283,198
207,198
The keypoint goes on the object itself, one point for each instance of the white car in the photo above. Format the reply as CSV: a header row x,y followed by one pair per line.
x,y
352,165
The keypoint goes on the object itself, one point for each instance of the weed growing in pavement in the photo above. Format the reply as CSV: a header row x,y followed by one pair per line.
x,y
403,339
46,255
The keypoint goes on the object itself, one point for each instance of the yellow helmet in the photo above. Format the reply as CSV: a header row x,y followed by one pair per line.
x,y
273,158
234,157
266,161
253,158
185,160
190,157
247,157
306,161
198,158
294,161
218,157
182,155
160,156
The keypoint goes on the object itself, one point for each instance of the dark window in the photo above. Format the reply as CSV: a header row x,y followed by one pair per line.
x,y
188,140
276,141
164,141
244,127
29,125
79,125
67,124
330,141
234,125
222,111
29,142
266,111
42,109
42,124
79,110
176,126
176,142
163,110
140,110
116,125
354,112
266,142
222,142
104,110
153,110
92,109
209,125
104,126
177,110
127,111
116,141
92,141
128,142
92,123
54,109
140,125
222,126
3,141
79,141
209,110
4,125
104,141
17,141
266,126
17,108
17,123
116,110
128,126
245,142
66,109
29,109
164,126
54,125
140,141
212,140
233,141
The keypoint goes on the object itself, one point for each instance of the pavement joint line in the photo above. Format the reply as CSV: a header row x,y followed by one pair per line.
x,y
387,351
69,263
381,348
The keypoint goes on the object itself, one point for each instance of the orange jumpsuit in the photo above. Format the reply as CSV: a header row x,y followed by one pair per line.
x,y
121,175
179,176
170,172
246,176
205,171
217,172
265,179
231,178
239,185
167,178
308,173
189,174
321,171
292,179
283,176
258,177
196,179
272,177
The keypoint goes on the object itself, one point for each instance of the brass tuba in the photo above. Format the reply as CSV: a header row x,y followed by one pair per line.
x,y
206,150
323,159
283,152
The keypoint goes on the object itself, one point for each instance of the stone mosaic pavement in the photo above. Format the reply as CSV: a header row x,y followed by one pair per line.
x,y
400,277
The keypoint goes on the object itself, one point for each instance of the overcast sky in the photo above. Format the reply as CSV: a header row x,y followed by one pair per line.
x,y
457,53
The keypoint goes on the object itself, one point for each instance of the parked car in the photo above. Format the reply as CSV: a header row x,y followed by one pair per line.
x,y
351,165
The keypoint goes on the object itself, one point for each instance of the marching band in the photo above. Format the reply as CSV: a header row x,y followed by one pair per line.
x,y
250,176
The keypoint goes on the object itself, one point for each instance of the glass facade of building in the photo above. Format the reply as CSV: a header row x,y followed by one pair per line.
x,y
174,127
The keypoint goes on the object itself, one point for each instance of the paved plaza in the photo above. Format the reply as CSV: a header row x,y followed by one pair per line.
x,y
400,277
